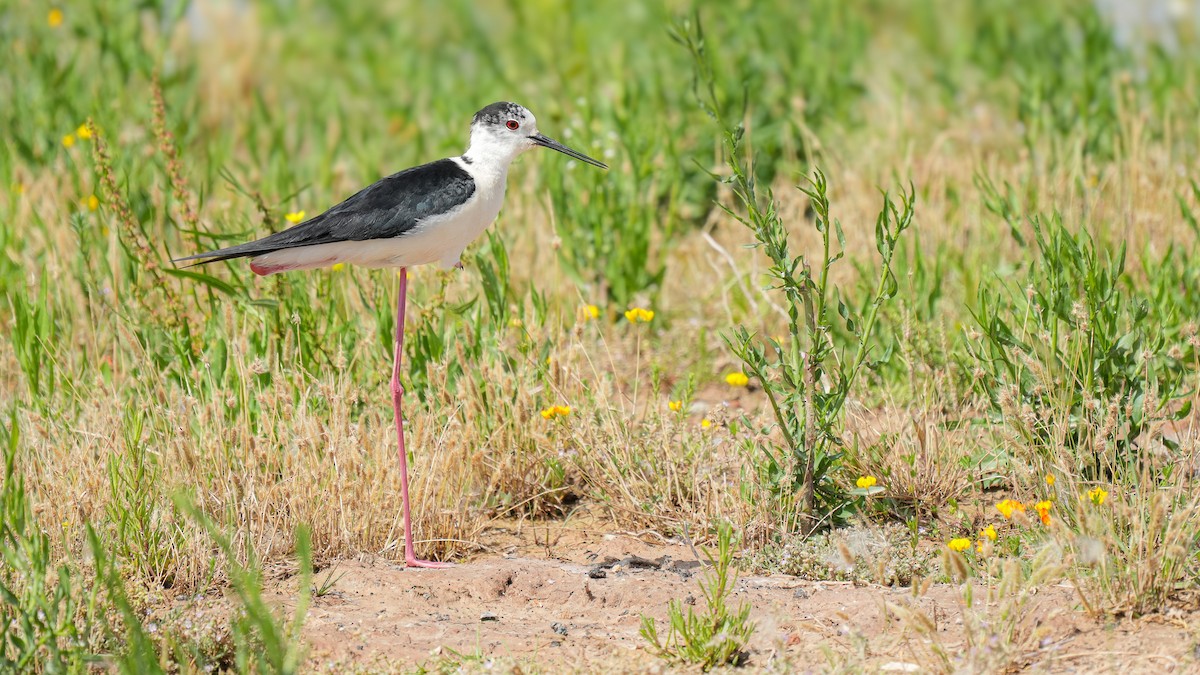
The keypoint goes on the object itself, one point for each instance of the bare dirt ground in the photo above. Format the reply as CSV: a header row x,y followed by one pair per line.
x,y
564,599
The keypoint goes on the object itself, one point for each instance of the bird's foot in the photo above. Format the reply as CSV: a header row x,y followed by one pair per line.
x,y
428,564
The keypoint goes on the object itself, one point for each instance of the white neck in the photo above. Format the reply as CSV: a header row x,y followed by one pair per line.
x,y
491,152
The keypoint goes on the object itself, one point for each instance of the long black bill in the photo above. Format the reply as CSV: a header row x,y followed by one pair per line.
x,y
547,142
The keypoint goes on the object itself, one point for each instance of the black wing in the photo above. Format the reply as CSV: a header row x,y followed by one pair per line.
x,y
388,208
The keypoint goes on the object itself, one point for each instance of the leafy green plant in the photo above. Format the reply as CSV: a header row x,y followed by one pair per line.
x,y
806,377
1071,355
717,635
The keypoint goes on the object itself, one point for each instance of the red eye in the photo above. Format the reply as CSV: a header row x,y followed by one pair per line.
x,y
513,124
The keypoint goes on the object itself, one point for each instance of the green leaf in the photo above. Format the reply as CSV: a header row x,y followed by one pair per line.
x,y
206,279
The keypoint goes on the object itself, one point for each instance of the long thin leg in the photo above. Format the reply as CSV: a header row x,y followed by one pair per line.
x,y
410,557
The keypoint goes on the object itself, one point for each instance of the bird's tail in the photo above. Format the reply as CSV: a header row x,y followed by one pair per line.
x,y
297,237
255,250
213,256
247,250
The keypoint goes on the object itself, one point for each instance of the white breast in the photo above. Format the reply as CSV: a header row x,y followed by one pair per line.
x,y
440,239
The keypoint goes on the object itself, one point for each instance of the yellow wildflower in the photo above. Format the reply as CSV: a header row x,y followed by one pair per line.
x,y
705,423
68,140
83,132
1010,506
1098,495
1050,479
590,312
295,217
737,379
865,481
959,545
989,532
639,315
556,411
675,406
1043,509
338,267
93,202
55,18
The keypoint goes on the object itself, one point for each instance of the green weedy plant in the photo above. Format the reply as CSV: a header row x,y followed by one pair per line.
x,y
1075,340
44,612
1055,63
716,636
460,336
263,642
138,653
144,537
34,332
806,377
608,222
1174,280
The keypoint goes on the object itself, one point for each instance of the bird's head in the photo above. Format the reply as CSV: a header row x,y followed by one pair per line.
x,y
504,130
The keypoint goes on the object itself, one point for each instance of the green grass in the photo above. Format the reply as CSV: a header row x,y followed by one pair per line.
x,y
1036,317
718,634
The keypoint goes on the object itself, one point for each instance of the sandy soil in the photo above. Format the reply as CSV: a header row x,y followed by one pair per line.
x,y
572,600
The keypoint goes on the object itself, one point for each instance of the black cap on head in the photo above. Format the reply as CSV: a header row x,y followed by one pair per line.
x,y
498,113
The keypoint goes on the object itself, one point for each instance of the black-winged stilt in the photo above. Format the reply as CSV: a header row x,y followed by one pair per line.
x,y
421,215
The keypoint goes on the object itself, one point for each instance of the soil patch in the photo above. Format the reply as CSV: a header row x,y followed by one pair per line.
x,y
577,606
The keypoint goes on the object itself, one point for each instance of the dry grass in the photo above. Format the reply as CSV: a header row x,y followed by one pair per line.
x,y
322,452
290,424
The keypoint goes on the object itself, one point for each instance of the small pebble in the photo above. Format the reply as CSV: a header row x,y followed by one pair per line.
x,y
559,628
800,593
488,616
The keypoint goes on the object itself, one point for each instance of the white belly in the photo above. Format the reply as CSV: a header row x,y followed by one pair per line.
x,y
439,239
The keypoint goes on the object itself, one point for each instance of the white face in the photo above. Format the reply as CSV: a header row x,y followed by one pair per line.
x,y
504,130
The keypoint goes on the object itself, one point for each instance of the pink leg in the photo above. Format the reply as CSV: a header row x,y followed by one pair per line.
x,y
410,557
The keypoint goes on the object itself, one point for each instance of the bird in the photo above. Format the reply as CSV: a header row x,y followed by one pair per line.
x,y
423,215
